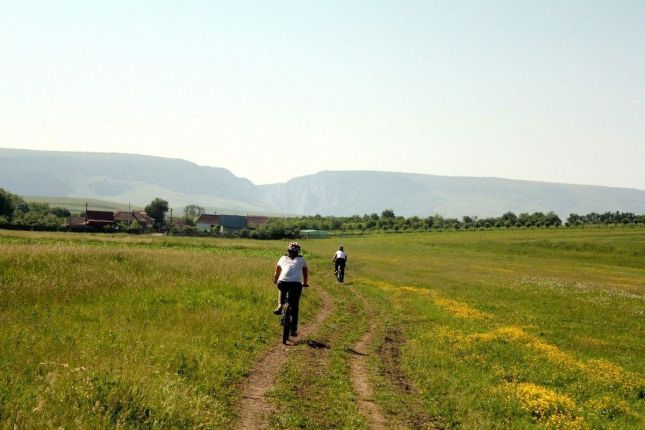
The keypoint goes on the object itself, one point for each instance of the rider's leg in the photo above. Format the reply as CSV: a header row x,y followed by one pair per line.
x,y
282,297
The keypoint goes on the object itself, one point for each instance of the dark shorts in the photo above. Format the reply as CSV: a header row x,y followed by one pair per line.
x,y
295,291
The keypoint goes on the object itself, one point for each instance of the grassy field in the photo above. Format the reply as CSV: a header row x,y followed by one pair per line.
x,y
496,329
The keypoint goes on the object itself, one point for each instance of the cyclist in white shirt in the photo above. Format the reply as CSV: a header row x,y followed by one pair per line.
x,y
291,276
339,260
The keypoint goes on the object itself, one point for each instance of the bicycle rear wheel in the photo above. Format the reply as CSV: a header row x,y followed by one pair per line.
x,y
286,322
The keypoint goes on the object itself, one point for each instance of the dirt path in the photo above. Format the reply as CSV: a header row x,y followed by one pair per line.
x,y
359,374
254,408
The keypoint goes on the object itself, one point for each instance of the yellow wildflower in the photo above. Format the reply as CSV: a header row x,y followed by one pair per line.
x,y
611,407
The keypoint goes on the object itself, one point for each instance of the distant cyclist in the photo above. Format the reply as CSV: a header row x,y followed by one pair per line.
x,y
290,276
339,260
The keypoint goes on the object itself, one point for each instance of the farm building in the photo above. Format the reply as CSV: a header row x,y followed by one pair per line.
x,y
227,224
92,221
99,219
231,223
207,222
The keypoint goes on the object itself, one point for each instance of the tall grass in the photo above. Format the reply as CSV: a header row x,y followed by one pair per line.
x,y
100,332
495,329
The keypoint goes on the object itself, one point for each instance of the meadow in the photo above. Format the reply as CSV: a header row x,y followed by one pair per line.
x,y
474,329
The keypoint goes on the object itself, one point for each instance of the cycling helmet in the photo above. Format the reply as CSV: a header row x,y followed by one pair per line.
x,y
294,247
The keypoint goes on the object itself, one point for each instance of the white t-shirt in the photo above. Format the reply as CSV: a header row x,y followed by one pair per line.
x,y
291,269
341,254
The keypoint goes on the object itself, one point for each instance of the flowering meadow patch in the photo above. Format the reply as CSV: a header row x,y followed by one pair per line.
x,y
555,340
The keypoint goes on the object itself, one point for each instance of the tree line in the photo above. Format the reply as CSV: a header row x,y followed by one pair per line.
x,y
387,221
16,213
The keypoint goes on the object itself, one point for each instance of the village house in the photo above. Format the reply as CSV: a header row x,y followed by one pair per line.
x,y
92,221
207,222
228,224
145,221
211,223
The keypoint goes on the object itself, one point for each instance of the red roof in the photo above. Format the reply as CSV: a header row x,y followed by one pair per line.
x,y
123,216
100,216
208,219
256,220
142,217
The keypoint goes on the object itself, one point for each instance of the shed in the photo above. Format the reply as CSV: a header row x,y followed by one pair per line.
x,y
231,223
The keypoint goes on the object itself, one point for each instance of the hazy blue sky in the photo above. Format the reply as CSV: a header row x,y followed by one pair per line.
x,y
539,90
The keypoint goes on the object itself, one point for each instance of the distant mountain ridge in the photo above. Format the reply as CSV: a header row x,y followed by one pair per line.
x,y
138,179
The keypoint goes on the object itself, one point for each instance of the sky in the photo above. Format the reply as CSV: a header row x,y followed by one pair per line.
x,y
536,90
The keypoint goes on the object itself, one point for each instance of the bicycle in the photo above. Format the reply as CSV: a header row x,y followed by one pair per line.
x,y
340,273
285,320
286,316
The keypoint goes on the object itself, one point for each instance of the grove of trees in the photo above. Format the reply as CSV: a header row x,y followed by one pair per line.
x,y
18,214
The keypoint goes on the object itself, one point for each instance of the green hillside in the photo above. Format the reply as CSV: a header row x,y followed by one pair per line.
x,y
74,204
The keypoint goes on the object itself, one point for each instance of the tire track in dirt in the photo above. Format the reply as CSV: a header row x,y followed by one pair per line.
x,y
389,352
414,416
255,409
359,374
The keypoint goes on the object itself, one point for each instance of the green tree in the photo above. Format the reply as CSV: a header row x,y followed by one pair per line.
x,y
7,206
9,203
157,210
42,208
60,212
193,211
135,227
468,221
387,214
551,219
510,218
